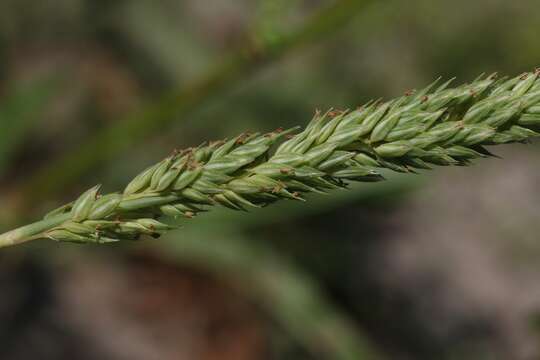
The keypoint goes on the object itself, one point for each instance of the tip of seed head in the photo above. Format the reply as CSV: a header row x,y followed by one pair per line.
x,y
334,113
297,196
242,138
216,143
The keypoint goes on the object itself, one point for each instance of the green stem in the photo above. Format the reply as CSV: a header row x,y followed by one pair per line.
x,y
32,231
35,230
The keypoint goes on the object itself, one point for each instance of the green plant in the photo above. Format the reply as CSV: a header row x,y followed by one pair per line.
x,y
434,126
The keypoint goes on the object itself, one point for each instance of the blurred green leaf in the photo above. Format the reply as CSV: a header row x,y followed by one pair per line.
x,y
269,22
19,111
291,297
156,116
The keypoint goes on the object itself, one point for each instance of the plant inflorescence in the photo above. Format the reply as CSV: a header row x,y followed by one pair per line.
x,y
438,125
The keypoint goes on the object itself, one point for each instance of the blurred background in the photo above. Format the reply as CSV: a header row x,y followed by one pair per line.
x,y
442,265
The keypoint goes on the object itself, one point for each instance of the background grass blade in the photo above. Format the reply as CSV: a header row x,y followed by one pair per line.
x,y
291,297
153,117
